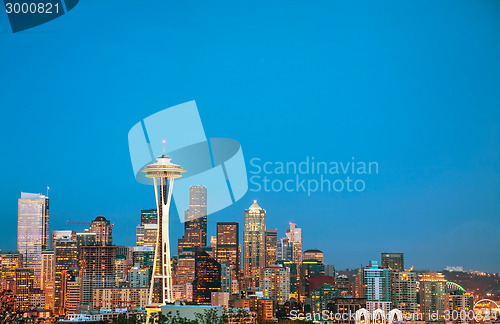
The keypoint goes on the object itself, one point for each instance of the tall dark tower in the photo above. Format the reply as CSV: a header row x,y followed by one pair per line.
x,y
227,250
207,278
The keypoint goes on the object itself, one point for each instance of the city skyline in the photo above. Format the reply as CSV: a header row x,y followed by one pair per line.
x,y
63,233
86,270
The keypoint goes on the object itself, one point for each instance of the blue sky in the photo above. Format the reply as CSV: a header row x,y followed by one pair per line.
x,y
411,85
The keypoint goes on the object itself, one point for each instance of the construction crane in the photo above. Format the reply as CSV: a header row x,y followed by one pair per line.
x,y
78,223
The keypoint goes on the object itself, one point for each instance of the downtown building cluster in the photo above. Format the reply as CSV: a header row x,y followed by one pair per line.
x,y
64,272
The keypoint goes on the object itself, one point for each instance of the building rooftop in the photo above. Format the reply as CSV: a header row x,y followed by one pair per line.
x,y
27,195
255,206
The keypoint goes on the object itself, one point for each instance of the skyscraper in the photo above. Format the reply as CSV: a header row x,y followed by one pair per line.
x,y
66,257
149,216
271,245
461,303
294,235
289,247
146,235
10,261
314,255
227,248
163,172
196,215
404,291
72,290
284,250
62,234
103,230
226,278
254,241
275,283
47,280
395,261
377,287
97,269
85,238
433,296
207,278
33,231
146,232
195,225
24,284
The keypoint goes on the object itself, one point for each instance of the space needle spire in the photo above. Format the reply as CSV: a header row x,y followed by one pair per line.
x,y
163,172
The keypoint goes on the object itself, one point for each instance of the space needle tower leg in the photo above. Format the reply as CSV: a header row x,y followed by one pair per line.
x,y
163,172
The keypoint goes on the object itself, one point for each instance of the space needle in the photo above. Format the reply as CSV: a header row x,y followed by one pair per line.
x,y
163,172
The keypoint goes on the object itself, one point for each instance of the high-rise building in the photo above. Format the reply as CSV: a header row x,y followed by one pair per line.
x,y
271,245
314,255
97,269
185,267
103,230
345,307
295,277
226,278
24,278
149,216
33,231
36,298
433,300
10,261
146,235
85,238
227,249
163,172
207,278
143,257
123,297
71,292
196,215
254,241
220,298
138,278
394,261
121,268
48,268
140,232
294,235
404,291
342,282
461,304
62,234
48,274
66,257
275,283
308,269
289,247
376,283
284,250
323,295
195,225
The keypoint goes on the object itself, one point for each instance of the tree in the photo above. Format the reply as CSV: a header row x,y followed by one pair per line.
x,y
209,316
8,307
